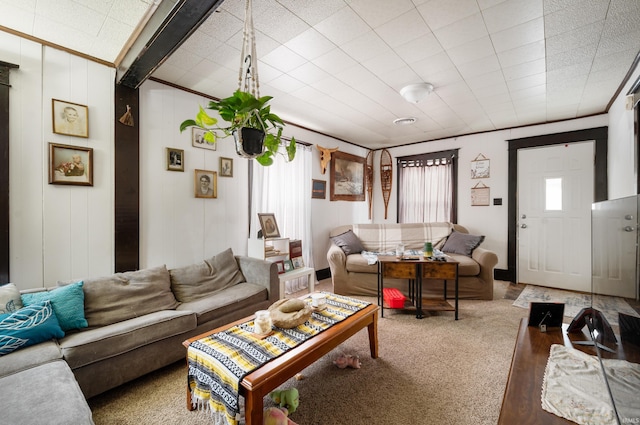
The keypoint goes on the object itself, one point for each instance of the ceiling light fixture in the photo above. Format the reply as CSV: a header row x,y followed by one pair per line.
x,y
405,121
414,93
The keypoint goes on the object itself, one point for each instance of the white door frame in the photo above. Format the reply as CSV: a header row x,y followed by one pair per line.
x,y
598,134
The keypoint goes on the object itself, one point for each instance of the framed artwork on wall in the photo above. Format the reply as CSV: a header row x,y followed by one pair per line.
x,y
175,159
198,139
318,189
70,118
480,167
71,165
347,177
269,225
206,183
226,167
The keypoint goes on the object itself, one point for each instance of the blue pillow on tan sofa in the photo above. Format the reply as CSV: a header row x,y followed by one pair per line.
x,y
462,243
67,302
30,325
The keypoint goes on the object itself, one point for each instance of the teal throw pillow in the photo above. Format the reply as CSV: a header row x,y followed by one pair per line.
x,y
28,326
67,302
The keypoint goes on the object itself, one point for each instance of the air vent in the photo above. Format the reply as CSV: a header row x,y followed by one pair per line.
x,y
405,121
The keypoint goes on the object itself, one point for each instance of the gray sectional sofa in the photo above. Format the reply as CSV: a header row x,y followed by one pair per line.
x,y
136,323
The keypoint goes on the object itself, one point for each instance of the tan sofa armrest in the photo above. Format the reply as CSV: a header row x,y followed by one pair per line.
x,y
261,272
487,260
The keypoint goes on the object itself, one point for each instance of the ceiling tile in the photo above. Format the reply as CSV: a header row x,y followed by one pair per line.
x,y
366,46
440,13
576,15
511,13
313,11
461,32
310,44
522,54
403,29
419,48
518,35
472,51
283,59
343,26
378,12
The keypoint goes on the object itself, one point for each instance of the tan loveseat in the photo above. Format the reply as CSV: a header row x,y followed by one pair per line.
x,y
137,322
353,275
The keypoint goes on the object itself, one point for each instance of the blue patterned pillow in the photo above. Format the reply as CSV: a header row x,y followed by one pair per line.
x,y
28,326
67,302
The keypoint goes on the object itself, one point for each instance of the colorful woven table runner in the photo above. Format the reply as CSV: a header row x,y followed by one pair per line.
x,y
218,363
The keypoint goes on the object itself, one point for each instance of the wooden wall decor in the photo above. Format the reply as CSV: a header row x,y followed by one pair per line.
x,y
369,178
325,157
386,178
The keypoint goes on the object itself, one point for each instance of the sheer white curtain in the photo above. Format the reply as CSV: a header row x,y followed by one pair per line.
x,y
425,192
284,189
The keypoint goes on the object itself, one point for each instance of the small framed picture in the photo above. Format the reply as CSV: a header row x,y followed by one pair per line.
x,y
198,140
226,167
69,118
298,262
318,189
175,159
288,266
206,184
70,165
280,265
269,225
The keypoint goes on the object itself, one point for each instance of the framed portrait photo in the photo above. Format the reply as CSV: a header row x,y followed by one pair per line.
x,y
347,177
288,266
268,225
298,262
280,265
226,167
175,159
199,141
72,165
71,119
206,184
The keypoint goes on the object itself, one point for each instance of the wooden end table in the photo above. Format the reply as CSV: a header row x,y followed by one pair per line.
x,y
259,383
415,270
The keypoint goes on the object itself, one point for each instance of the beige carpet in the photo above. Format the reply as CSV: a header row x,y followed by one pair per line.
x,y
430,371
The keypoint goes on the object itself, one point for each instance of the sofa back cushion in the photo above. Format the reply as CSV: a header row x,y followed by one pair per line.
x,y
122,296
385,237
212,275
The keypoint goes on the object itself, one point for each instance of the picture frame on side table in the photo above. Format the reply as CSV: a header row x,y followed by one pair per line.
x,y
280,265
70,165
298,262
71,119
175,159
347,177
226,167
269,225
206,184
288,266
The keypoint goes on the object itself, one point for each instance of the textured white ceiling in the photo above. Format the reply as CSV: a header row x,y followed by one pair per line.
x,y
336,66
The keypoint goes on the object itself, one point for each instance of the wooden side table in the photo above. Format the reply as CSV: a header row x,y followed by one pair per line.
x,y
294,274
415,270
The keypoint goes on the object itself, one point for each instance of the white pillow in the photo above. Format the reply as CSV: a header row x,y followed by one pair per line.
x,y
10,300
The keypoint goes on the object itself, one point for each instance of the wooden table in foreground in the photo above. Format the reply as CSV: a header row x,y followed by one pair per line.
x,y
258,384
522,402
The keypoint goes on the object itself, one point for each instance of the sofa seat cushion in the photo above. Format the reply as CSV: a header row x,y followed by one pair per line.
x,y
93,345
123,296
47,394
467,267
200,280
225,302
356,263
29,357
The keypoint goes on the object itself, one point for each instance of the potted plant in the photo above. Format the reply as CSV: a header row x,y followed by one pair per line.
x,y
257,131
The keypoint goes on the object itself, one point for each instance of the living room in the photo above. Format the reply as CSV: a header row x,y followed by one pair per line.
x,y
62,232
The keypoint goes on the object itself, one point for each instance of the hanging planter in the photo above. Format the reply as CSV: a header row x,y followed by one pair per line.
x,y
245,111
249,142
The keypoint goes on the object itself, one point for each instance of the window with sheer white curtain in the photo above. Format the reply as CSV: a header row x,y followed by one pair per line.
x,y
426,189
284,189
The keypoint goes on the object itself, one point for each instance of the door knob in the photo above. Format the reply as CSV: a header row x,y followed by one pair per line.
x,y
523,226
628,229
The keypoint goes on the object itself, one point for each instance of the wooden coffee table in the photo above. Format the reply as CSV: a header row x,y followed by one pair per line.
x,y
259,383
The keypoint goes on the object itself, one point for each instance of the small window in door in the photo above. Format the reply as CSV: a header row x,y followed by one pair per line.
x,y
553,194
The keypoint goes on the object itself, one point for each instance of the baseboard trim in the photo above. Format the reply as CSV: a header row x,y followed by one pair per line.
x,y
500,274
323,274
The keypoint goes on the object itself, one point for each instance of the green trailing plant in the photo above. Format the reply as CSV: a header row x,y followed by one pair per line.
x,y
240,110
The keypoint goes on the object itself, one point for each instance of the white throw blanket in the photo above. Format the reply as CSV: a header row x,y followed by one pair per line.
x,y
574,388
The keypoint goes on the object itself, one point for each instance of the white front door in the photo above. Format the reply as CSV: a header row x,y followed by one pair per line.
x,y
555,193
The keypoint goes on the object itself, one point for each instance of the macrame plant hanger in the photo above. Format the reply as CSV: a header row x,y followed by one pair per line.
x,y
248,75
